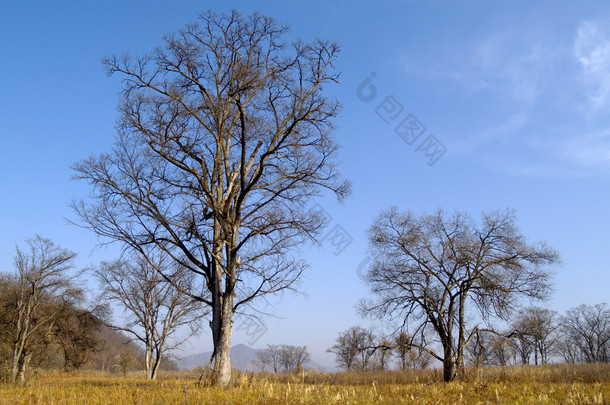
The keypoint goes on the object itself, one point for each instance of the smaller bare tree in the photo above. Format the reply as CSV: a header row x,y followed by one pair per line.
x,y
354,348
156,309
478,350
501,350
263,360
384,352
409,353
293,357
36,297
403,347
269,356
535,329
586,334
433,271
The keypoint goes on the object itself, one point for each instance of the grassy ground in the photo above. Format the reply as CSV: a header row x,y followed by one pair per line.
x,y
511,385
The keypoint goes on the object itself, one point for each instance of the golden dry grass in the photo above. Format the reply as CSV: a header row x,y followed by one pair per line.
x,y
583,384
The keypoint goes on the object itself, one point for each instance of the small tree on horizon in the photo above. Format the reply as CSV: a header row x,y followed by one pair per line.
x,y
354,348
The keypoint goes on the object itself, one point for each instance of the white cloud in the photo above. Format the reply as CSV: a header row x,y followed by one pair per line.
x,y
592,51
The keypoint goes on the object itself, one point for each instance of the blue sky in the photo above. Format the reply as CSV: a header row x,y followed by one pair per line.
x,y
517,95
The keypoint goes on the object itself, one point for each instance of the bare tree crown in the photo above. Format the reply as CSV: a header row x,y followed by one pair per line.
x,y
432,271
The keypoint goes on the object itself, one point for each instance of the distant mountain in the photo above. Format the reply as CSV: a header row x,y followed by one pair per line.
x,y
243,358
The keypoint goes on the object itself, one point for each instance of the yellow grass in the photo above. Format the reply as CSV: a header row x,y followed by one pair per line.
x,y
510,385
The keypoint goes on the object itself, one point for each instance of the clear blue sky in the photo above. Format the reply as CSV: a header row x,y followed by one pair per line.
x,y
517,93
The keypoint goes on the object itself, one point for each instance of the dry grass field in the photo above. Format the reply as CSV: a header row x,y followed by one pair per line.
x,y
568,384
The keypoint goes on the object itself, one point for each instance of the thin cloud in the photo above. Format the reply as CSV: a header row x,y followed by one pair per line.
x,y
495,134
592,51
591,151
509,65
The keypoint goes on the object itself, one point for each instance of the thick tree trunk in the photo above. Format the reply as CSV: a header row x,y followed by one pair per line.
x,y
450,364
222,361
449,369
222,309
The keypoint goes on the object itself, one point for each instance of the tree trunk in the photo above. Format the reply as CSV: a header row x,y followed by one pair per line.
x,y
19,347
449,361
17,359
222,308
148,362
222,360
155,365
25,361
461,367
449,369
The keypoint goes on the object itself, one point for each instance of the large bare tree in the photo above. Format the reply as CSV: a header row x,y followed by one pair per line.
x,y
434,271
159,315
224,135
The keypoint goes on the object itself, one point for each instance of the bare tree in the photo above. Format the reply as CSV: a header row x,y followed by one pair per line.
x,y
501,350
384,352
523,347
293,357
535,329
403,346
35,298
111,343
477,351
263,359
354,348
125,358
156,310
224,135
586,334
492,349
408,353
66,340
270,356
431,270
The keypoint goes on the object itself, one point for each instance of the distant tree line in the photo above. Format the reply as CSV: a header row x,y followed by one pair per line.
x,y
535,336
282,358
539,335
358,348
